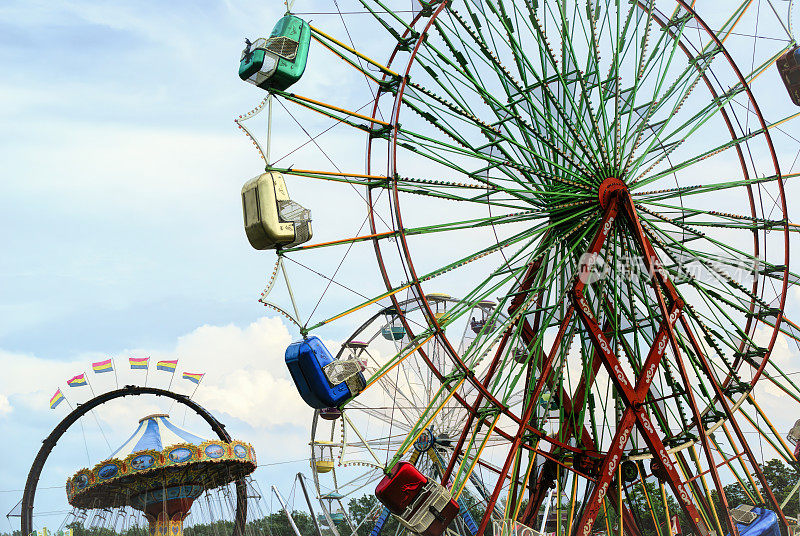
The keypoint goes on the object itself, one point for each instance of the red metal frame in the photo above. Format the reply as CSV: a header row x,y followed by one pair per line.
x,y
598,338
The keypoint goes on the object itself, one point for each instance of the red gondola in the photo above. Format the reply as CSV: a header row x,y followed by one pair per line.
x,y
789,67
422,505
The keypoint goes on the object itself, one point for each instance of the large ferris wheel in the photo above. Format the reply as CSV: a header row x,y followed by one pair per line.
x,y
603,187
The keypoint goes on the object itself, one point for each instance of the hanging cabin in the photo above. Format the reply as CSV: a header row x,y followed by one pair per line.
x,y
393,332
754,521
321,380
278,61
438,304
421,505
394,329
336,515
323,456
789,68
271,219
357,351
485,309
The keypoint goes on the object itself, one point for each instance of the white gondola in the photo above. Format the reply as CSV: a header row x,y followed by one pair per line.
x,y
271,219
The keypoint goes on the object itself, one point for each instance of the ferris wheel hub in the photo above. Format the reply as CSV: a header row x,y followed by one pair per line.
x,y
608,188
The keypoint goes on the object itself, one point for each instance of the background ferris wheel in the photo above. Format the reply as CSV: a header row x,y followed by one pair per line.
x,y
350,447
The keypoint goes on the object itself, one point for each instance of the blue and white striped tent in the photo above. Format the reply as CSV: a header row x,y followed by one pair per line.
x,y
155,432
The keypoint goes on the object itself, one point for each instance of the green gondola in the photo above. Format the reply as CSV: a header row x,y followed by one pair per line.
x,y
278,61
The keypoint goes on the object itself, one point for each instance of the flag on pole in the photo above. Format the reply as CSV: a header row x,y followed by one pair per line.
x,y
56,399
193,377
103,366
168,366
77,381
138,362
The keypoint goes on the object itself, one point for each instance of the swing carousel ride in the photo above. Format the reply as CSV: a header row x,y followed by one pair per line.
x,y
162,481
160,470
601,187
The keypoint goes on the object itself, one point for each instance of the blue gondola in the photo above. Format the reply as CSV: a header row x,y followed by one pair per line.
x,y
321,380
393,333
753,521
337,517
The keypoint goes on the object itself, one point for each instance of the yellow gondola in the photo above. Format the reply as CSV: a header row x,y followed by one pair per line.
x,y
438,302
323,456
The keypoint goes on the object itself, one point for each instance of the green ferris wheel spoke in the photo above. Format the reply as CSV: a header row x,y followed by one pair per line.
x,y
737,260
526,151
720,300
727,286
657,63
713,151
469,149
500,245
504,166
529,106
716,218
591,70
683,191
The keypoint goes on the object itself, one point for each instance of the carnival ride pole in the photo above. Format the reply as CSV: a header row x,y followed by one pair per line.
x,y
301,478
285,509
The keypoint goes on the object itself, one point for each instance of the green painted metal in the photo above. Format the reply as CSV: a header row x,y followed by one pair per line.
x,y
518,111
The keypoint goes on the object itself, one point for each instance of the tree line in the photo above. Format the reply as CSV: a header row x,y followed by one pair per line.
x,y
643,499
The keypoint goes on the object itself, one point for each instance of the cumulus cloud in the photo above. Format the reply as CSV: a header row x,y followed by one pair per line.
x,y
245,372
246,386
245,377
5,406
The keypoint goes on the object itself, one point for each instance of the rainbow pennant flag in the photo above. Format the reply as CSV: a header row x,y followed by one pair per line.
x,y
78,381
138,362
103,366
169,366
56,399
193,377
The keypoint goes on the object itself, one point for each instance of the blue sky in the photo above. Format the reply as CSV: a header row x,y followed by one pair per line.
x,y
121,225
120,221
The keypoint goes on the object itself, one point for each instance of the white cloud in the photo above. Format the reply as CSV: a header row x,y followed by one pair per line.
x,y
246,386
5,406
245,377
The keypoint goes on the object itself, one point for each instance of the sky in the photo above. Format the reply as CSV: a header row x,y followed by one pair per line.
x,y
122,226
120,220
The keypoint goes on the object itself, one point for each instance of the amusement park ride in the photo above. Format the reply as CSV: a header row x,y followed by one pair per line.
x,y
160,471
602,186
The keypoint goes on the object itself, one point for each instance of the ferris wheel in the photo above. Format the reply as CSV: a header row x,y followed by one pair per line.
x,y
611,176
351,447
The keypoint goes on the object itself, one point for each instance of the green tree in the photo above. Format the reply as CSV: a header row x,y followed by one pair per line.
x,y
365,506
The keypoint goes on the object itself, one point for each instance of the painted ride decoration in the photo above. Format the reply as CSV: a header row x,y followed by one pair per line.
x,y
160,471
